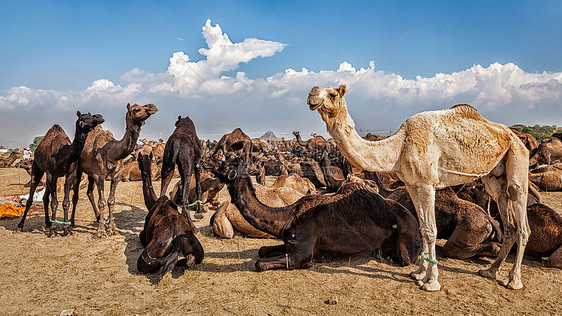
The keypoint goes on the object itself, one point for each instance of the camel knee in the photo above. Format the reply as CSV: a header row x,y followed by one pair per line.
x,y
514,192
101,204
429,234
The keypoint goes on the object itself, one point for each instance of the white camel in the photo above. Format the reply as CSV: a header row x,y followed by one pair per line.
x,y
434,150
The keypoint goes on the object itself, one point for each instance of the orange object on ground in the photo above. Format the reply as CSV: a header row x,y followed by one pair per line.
x,y
9,210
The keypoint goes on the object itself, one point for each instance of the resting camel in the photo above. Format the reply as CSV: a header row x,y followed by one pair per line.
x,y
183,149
167,234
56,156
528,140
235,141
549,151
102,158
438,149
546,239
547,177
353,221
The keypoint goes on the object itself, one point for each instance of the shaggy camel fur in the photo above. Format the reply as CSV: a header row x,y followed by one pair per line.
x,y
355,220
547,177
56,156
183,149
438,149
102,158
166,235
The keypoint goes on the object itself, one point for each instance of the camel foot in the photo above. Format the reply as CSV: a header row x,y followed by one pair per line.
x,y
189,261
418,276
111,228
515,284
52,231
66,231
18,229
260,266
431,286
488,273
198,215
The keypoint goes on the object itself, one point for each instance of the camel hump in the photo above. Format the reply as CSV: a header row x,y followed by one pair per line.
x,y
55,129
468,111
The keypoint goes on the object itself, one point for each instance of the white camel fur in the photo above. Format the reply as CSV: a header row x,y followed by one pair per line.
x,y
434,150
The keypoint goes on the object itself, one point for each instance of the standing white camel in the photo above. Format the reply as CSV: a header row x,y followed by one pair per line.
x,y
434,150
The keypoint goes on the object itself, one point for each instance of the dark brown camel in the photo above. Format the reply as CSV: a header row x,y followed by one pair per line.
x,y
333,176
167,234
183,149
469,230
102,158
56,156
235,141
355,220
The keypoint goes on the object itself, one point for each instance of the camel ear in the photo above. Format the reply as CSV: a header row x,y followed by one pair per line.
x,y
128,106
78,113
150,156
342,90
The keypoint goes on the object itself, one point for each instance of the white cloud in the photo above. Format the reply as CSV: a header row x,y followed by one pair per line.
x,y
218,103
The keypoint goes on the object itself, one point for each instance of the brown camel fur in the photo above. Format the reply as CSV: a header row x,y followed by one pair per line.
x,y
469,230
547,177
8,161
102,158
131,171
333,176
56,156
438,149
355,220
549,151
546,239
166,235
183,149
274,196
530,142
236,141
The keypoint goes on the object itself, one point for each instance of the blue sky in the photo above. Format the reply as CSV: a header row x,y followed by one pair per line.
x,y
58,50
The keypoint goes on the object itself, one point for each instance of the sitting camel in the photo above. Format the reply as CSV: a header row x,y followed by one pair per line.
x,y
546,239
549,151
235,141
166,235
183,149
469,230
547,177
56,156
353,221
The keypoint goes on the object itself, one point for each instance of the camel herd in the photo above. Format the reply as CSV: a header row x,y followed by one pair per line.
x,y
448,174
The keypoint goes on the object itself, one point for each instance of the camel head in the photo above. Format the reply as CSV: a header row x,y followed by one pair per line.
x,y
87,122
328,100
297,134
139,113
228,169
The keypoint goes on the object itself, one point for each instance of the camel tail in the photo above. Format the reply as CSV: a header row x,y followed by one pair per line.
x,y
172,258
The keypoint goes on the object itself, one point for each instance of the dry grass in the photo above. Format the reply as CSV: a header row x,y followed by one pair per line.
x,y
43,276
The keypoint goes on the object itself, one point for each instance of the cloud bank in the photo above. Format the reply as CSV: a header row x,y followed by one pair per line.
x,y
379,101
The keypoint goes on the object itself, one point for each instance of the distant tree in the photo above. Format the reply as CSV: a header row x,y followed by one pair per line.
x,y
537,131
36,142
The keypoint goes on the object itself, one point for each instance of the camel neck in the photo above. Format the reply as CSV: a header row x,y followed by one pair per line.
x,y
150,197
300,141
127,144
77,145
380,156
271,220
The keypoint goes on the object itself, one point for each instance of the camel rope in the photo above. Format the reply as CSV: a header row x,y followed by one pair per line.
x,y
423,255
59,222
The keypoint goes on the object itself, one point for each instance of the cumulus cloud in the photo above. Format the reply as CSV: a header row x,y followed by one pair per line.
x,y
218,103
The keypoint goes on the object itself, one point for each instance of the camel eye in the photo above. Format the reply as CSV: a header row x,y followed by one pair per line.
x,y
333,94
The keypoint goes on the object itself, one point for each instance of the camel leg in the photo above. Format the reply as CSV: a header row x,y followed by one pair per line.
x,y
68,183
423,197
101,205
166,173
76,188
90,194
111,228
302,259
36,175
272,251
46,197
198,208
555,260
185,202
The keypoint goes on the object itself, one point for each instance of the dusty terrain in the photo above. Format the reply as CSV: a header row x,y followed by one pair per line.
x,y
45,276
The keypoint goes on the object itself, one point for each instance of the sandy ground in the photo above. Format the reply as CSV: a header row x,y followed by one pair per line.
x,y
45,276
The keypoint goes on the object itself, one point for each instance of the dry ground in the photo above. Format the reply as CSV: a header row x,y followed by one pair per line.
x,y
44,276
